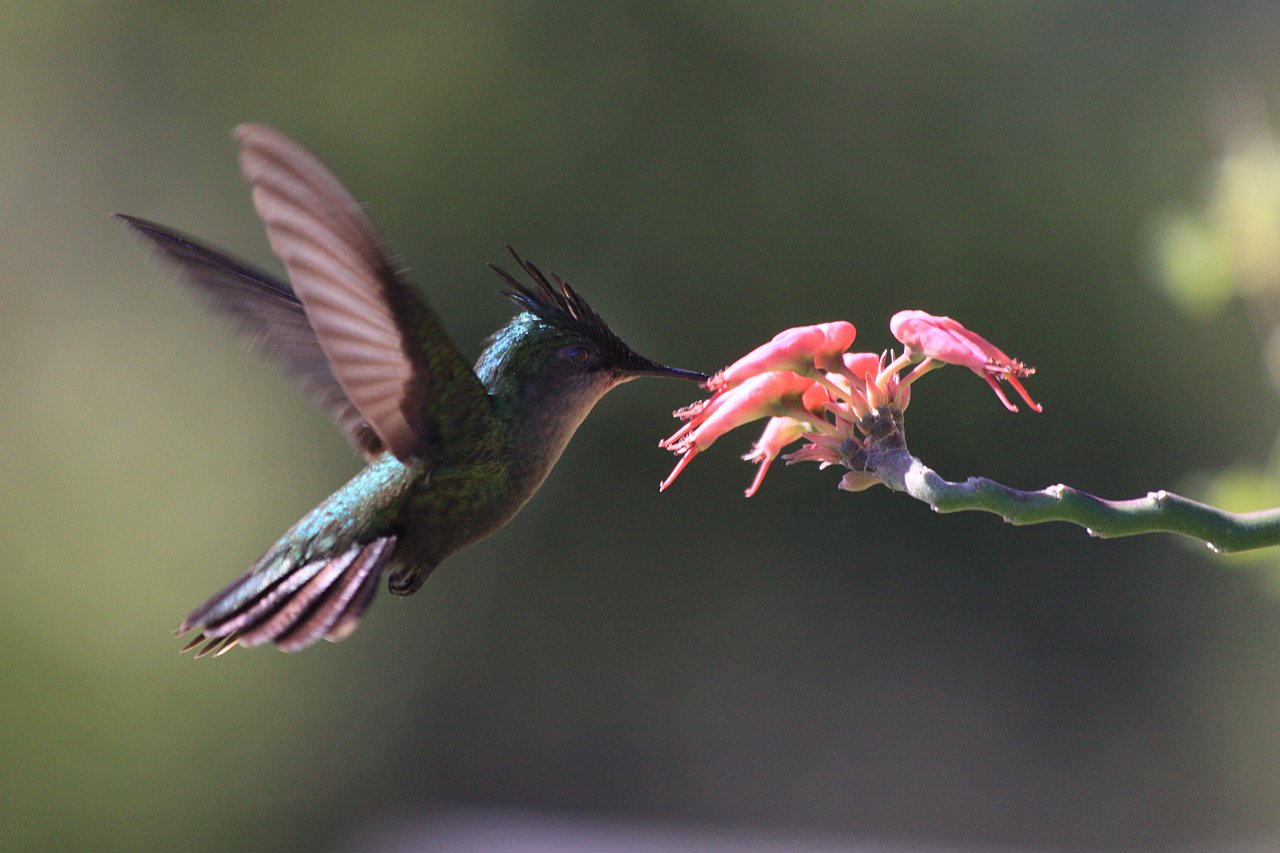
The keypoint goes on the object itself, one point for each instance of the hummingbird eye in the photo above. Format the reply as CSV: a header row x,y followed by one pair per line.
x,y
578,355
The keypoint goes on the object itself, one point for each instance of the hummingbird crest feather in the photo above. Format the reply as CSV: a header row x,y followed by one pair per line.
x,y
554,301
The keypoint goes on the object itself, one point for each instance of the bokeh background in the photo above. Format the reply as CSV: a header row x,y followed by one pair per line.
x,y
807,665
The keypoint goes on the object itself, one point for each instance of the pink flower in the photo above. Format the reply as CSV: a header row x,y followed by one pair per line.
x,y
775,393
875,383
860,365
802,350
847,407
778,433
943,339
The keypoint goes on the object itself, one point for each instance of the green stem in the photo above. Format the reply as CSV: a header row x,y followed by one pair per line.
x,y
1157,512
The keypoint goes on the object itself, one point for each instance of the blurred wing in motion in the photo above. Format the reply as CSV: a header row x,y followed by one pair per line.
x,y
384,344
264,311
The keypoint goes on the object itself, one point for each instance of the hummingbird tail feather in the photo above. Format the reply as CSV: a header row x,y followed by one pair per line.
x,y
322,599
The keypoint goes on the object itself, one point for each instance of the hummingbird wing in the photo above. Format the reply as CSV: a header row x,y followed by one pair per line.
x,y
384,344
266,312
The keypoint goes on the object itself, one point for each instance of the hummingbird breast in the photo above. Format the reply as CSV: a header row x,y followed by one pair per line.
x,y
451,501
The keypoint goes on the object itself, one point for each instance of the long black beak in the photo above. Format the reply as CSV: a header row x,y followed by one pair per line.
x,y
641,366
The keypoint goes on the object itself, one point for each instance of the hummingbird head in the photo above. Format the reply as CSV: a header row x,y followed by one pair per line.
x,y
553,362
548,367
570,341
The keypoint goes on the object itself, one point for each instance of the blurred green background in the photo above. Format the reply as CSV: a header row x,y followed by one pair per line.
x,y
807,663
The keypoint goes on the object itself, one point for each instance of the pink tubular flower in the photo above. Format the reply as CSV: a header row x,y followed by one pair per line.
x,y
945,340
847,407
769,394
864,382
802,350
860,365
778,433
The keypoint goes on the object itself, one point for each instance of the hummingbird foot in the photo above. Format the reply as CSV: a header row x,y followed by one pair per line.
x,y
409,579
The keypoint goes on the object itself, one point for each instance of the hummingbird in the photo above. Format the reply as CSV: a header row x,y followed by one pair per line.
x,y
453,451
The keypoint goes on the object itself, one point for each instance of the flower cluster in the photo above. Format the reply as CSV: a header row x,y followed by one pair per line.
x,y
811,388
